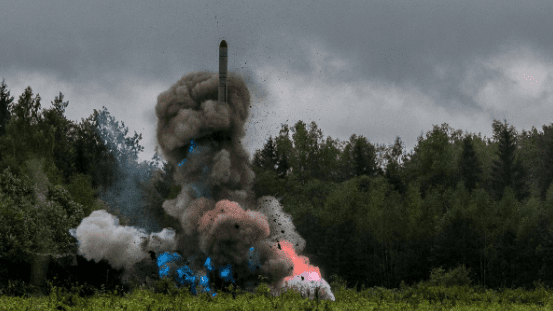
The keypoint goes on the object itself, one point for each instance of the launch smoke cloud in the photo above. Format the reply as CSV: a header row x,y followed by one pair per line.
x,y
224,231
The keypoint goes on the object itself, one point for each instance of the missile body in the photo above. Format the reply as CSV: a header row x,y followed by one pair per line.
x,y
223,59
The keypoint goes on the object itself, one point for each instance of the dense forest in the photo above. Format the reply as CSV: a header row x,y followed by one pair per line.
x,y
374,215
379,216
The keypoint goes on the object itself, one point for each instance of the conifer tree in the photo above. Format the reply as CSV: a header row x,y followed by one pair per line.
x,y
358,158
27,108
469,165
545,173
266,158
507,170
285,152
394,165
5,105
64,136
364,157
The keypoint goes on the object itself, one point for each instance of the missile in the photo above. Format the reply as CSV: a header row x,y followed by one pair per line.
x,y
223,59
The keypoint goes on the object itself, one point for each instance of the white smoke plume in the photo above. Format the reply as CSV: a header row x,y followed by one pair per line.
x,y
217,211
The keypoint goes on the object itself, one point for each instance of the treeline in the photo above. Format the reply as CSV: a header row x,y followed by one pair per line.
x,y
377,215
54,172
372,214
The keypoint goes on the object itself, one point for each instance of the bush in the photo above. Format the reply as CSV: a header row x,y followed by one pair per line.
x,y
17,288
263,290
456,277
166,286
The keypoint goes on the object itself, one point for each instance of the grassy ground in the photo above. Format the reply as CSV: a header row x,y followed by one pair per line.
x,y
419,297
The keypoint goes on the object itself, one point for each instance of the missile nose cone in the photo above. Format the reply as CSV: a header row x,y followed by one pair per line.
x,y
223,44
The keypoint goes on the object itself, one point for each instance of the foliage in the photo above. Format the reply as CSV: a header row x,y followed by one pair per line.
x,y
166,286
394,158
18,228
437,206
419,297
51,172
469,165
5,107
358,158
80,189
456,277
507,170
430,163
536,153
35,220
375,215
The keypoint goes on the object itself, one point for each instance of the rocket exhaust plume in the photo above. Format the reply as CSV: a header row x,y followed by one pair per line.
x,y
225,234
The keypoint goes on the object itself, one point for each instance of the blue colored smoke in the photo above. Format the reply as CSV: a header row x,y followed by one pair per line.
x,y
253,259
225,273
193,146
185,275
198,188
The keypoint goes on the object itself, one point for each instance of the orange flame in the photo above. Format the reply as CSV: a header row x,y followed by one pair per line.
x,y
301,264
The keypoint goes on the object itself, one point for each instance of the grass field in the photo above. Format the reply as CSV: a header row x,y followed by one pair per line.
x,y
418,297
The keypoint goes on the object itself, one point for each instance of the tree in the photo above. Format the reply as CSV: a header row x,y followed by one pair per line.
x,y
125,192
285,152
314,142
27,108
269,170
358,158
306,151
329,155
35,216
546,176
507,170
363,156
26,133
64,136
432,162
266,158
536,152
469,165
92,156
394,165
457,240
115,136
5,107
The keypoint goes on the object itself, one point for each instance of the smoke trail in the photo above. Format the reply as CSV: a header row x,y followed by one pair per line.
x,y
223,230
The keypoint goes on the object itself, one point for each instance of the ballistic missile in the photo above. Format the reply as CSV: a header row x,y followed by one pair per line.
x,y
223,71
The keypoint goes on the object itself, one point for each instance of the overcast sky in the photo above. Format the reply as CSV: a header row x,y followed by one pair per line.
x,y
375,68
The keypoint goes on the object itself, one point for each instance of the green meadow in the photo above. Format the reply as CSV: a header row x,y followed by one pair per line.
x,y
164,297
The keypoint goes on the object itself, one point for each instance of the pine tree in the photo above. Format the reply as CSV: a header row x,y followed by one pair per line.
x,y
520,184
364,157
63,129
358,158
469,165
431,164
27,108
394,166
506,171
285,152
5,107
266,158
545,172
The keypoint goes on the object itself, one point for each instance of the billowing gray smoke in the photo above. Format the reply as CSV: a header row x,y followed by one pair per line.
x,y
189,111
218,215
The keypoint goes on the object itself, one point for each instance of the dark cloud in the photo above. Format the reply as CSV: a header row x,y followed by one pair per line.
x,y
430,46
